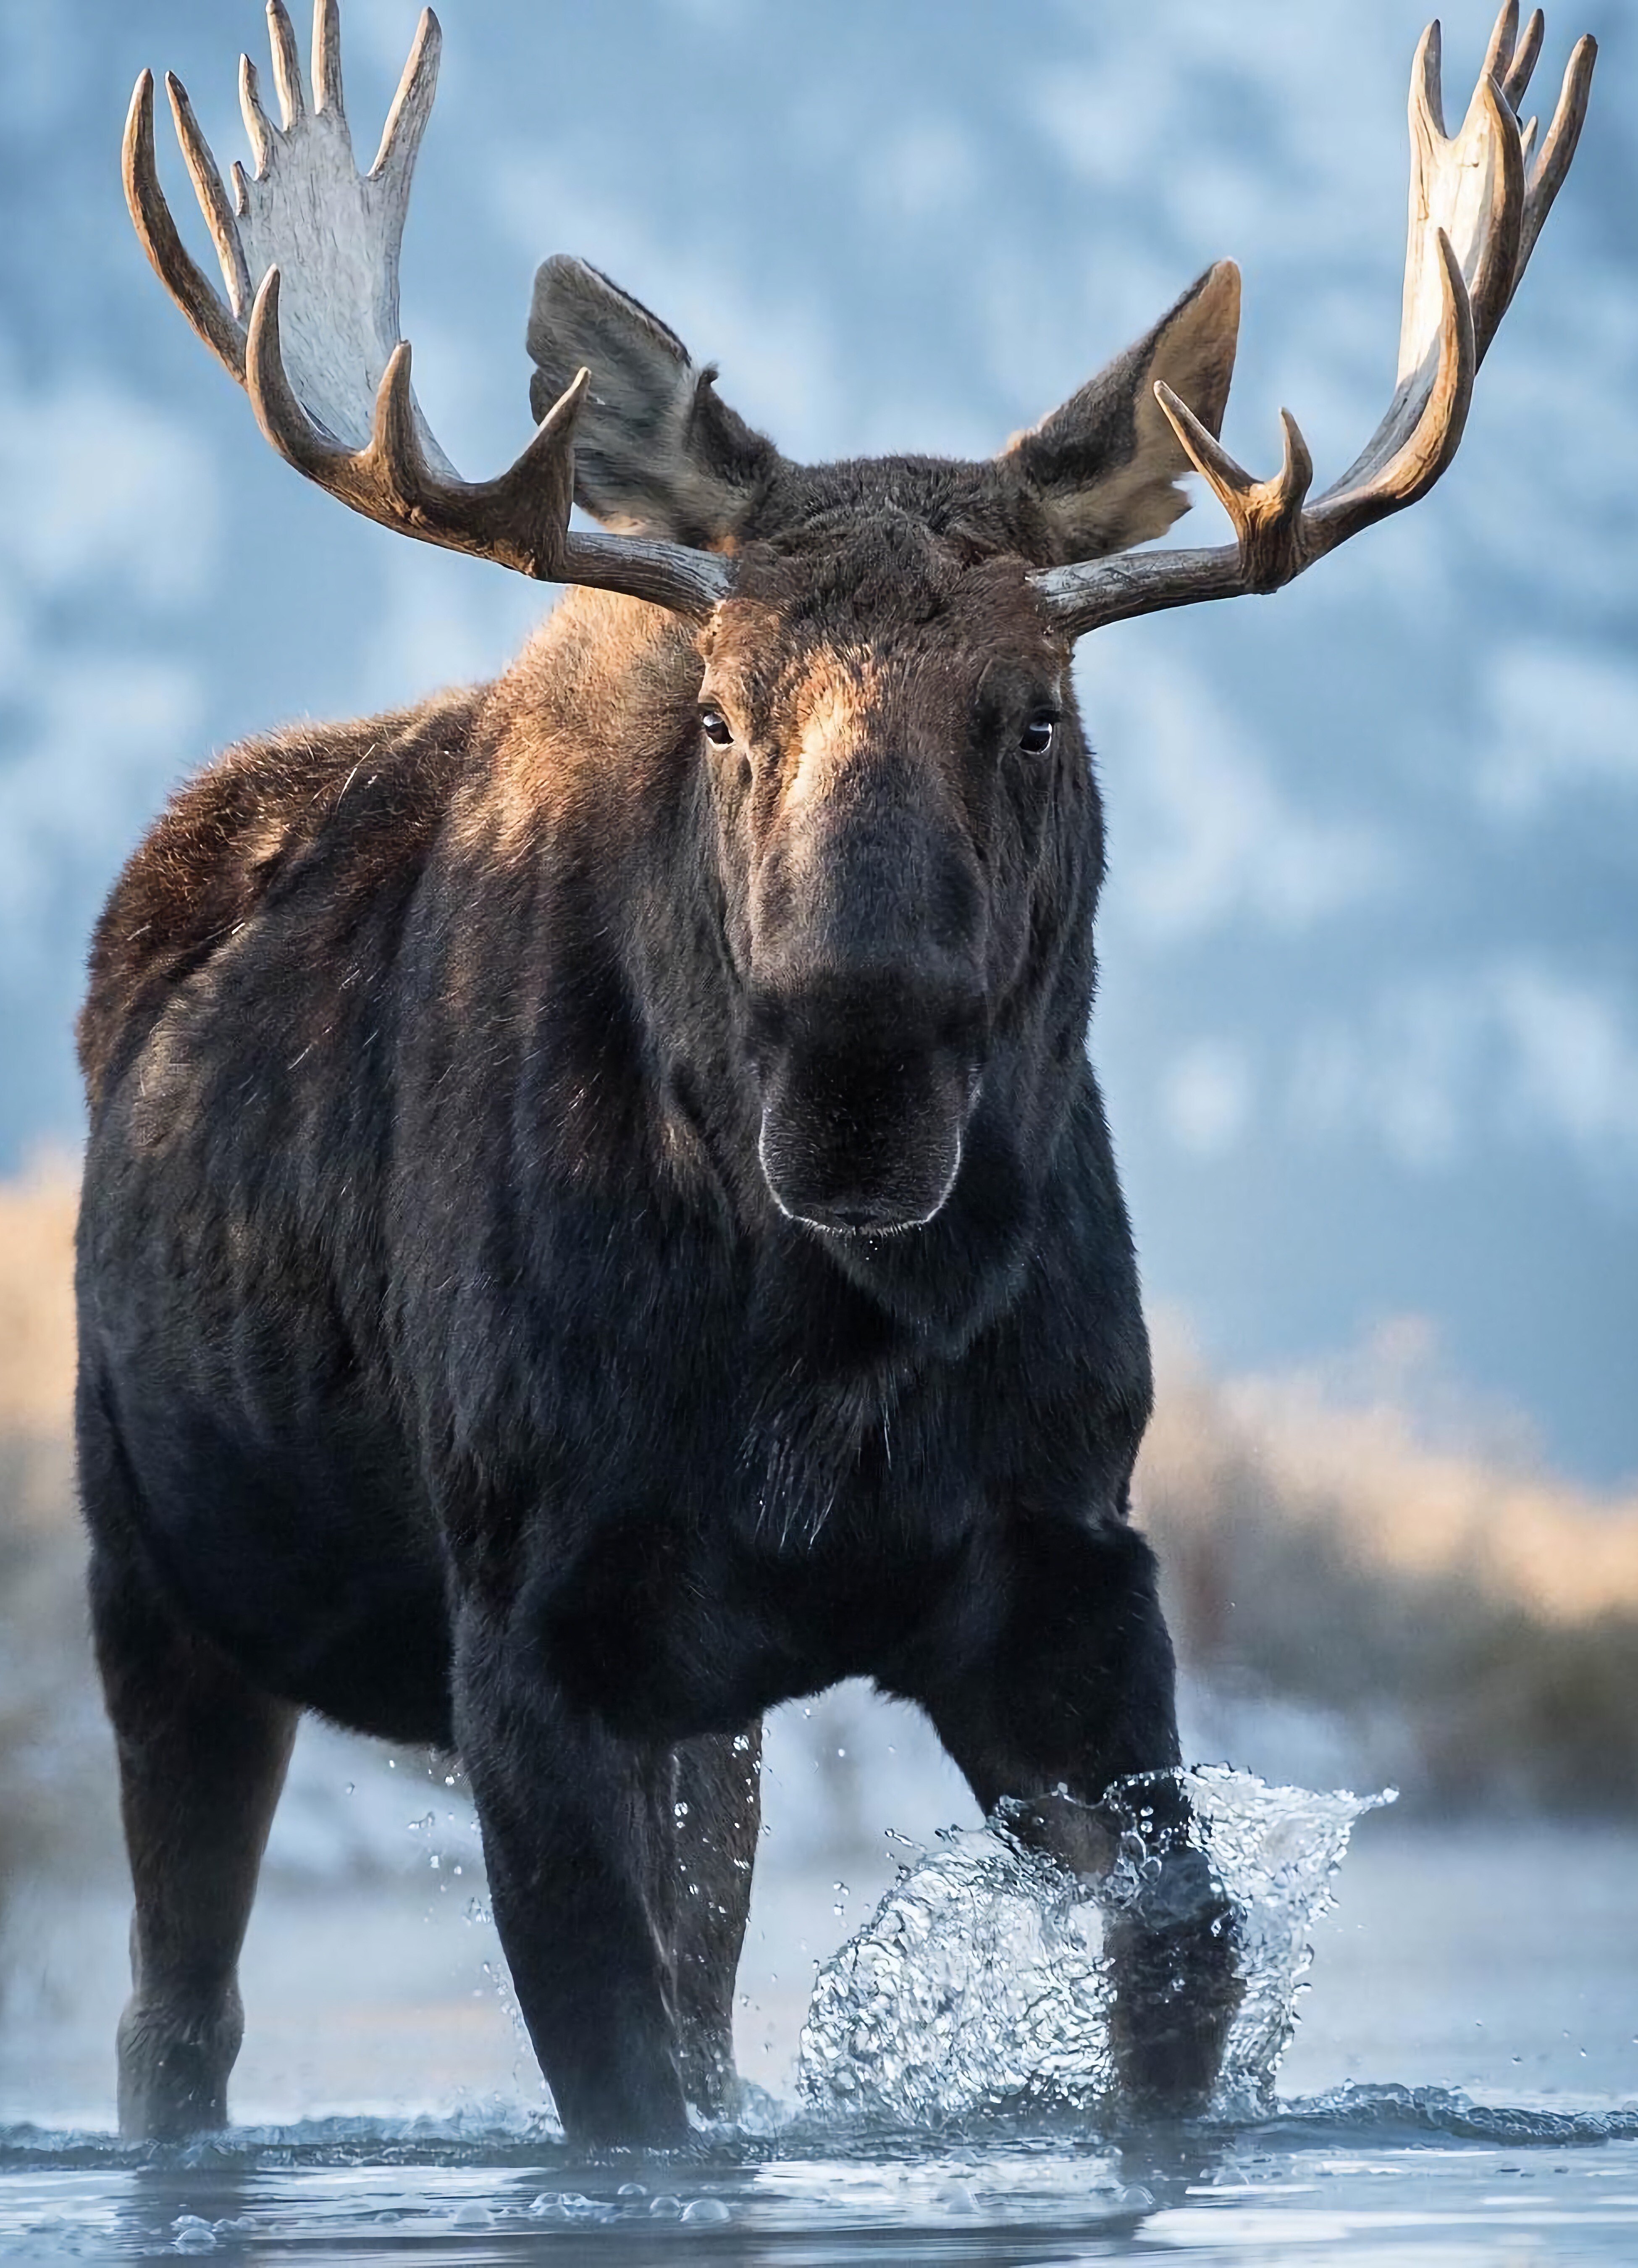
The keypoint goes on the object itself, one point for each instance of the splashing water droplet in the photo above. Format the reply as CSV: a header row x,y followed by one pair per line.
x,y
979,1981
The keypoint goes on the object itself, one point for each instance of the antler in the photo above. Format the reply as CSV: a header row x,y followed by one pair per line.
x,y
327,372
1476,211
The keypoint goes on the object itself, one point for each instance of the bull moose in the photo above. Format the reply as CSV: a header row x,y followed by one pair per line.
x,y
598,1218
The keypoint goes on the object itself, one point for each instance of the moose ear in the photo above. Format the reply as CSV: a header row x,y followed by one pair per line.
x,y
655,451
1106,464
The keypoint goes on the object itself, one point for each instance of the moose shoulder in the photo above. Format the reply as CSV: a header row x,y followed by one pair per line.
x,y
598,1218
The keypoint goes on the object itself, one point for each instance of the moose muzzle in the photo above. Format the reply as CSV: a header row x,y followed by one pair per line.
x,y
869,1015
864,1108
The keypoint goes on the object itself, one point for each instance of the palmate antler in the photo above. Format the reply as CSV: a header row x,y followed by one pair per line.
x,y
1477,207
328,375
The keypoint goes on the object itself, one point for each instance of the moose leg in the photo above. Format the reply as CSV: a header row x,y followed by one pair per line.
x,y
579,1831
719,1788
1072,1690
201,1757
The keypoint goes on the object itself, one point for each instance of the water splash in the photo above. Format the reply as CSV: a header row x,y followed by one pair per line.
x,y
979,1985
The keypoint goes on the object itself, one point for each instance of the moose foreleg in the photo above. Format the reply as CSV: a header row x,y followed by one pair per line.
x,y
580,1841
719,1788
1073,1691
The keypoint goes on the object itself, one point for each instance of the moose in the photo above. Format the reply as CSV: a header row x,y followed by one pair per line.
x,y
598,1218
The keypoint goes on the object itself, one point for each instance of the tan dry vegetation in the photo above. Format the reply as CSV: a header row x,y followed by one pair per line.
x,y
55,1773
1557,1550
36,1347
1473,1622
37,1301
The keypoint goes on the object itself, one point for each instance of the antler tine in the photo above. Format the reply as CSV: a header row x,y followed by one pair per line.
x,y
1276,538
519,519
522,516
1503,41
412,105
207,181
329,378
258,125
1522,70
1474,219
172,264
1568,117
1267,515
293,96
326,60
1428,87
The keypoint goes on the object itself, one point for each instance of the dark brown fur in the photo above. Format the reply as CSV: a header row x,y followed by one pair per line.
x,y
589,1233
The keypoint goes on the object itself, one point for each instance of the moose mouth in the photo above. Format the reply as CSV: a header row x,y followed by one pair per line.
x,y
863,1147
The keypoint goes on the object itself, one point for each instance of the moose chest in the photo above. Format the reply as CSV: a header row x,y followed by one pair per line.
x,y
698,1620
707,1516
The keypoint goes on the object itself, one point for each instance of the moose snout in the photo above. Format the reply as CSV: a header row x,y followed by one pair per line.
x,y
863,1127
869,1016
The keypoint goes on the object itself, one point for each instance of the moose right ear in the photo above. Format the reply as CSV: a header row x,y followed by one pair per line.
x,y
1106,465
656,453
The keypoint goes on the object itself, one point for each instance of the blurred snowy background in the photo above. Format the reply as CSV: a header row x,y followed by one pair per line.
x,y
1369,1023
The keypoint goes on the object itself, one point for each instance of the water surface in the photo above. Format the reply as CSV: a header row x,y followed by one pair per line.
x,y
1462,2085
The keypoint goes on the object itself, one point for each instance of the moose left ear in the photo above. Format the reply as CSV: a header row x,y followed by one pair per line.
x,y
1106,464
655,451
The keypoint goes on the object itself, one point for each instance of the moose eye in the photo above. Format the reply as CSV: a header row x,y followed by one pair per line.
x,y
1035,739
716,728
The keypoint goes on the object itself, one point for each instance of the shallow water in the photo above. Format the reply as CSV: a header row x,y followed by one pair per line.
x,y
1505,1959
1421,2176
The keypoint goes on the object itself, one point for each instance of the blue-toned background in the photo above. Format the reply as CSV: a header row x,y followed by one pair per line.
x,y
1369,1017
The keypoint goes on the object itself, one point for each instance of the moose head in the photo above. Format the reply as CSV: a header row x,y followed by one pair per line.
x,y
879,673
